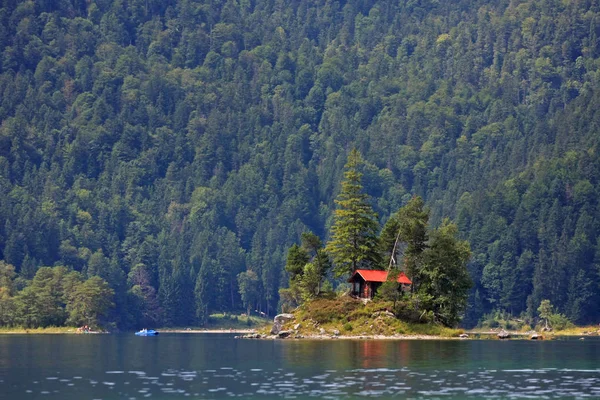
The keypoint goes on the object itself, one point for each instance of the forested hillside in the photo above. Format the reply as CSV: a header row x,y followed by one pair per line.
x,y
167,146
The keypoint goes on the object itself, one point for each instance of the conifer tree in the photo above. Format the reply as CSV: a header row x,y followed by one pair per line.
x,y
353,243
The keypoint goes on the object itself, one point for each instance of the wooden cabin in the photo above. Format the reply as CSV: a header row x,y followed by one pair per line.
x,y
366,282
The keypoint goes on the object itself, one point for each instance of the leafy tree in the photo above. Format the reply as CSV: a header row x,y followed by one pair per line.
x,y
249,289
414,220
8,309
353,242
313,276
445,275
296,260
202,292
7,276
404,238
545,311
89,302
310,285
390,289
143,297
28,308
307,266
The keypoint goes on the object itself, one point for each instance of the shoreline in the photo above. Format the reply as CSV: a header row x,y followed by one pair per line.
x,y
47,331
246,331
369,337
472,336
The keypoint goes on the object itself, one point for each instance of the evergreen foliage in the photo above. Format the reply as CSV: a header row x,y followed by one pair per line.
x,y
444,276
353,242
168,146
54,297
307,267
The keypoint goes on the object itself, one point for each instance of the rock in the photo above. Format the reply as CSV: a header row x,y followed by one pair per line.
x,y
336,333
503,335
536,336
548,329
276,328
297,326
284,334
283,318
384,313
463,336
279,321
250,336
322,331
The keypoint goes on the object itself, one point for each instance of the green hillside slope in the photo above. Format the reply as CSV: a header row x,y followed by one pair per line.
x,y
166,146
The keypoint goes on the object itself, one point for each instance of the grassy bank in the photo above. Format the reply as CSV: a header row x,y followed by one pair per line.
x,y
37,331
592,330
351,317
224,322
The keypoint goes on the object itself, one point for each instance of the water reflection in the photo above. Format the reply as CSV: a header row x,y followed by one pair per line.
x,y
214,367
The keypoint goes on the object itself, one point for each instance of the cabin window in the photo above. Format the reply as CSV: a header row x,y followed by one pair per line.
x,y
356,287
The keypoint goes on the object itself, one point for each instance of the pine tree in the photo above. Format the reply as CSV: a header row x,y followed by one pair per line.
x,y
353,243
444,273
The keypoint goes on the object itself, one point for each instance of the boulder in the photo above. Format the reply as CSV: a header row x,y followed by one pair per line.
x,y
322,331
503,335
297,326
384,313
249,336
536,336
463,336
283,334
283,318
336,333
279,321
276,328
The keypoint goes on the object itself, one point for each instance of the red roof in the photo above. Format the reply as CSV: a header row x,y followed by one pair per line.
x,y
379,276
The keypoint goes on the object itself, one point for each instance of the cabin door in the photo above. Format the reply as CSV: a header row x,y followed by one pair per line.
x,y
366,290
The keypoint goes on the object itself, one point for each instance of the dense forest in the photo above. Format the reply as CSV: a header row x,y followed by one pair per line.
x,y
167,146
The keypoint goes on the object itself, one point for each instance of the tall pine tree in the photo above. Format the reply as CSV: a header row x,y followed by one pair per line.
x,y
353,243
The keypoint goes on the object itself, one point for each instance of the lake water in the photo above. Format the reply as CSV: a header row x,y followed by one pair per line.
x,y
214,366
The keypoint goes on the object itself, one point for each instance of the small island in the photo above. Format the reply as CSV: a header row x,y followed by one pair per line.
x,y
406,279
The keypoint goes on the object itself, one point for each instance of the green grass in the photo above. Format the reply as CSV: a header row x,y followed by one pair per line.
x,y
228,321
578,331
38,331
353,318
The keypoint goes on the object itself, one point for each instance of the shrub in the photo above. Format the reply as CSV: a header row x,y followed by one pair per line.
x,y
324,310
348,327
560,322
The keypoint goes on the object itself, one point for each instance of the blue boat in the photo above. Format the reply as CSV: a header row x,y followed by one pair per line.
x,y
147,332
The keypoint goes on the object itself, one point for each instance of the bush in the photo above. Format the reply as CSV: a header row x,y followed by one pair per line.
x,y
347,327
560,322
324,310
502,319
411,310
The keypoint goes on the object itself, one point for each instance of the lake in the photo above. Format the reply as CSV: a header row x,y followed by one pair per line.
x,y
216,366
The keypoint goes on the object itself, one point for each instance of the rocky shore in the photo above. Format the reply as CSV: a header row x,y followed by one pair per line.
x,y
344,337
286,327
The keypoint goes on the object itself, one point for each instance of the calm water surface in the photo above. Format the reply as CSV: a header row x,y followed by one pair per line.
x,y
211,366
